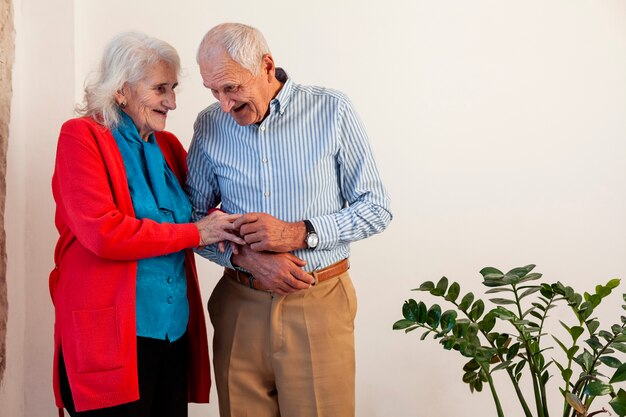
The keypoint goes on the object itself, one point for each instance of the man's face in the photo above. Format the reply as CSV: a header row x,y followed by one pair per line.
x,y
243,95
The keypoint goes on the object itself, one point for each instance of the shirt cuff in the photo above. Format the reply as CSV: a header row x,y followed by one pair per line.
x,y
327,231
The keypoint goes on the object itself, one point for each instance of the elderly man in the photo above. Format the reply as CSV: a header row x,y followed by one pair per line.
x,y
297,162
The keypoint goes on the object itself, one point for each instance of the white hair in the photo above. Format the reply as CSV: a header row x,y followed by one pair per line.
x,y
245,45
125,60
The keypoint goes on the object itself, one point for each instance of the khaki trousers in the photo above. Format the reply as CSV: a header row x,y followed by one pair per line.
x,y
284,356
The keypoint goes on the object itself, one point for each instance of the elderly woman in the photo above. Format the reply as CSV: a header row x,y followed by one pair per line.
x,y
130,335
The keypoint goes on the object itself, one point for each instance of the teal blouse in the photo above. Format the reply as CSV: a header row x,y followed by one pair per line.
x,y
162,306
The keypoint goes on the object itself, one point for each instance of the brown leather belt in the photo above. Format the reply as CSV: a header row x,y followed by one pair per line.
x,y
329,272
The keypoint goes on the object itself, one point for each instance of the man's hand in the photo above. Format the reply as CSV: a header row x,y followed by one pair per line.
x,y
281,273
263,232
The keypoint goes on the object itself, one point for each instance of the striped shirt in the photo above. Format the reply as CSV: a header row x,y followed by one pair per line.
x,y
309,159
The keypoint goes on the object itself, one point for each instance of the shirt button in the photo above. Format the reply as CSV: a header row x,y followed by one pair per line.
x,y
264,160
267,194
262,128
169,280
170,299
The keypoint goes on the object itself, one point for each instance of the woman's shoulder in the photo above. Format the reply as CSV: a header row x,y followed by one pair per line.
x,y
82,124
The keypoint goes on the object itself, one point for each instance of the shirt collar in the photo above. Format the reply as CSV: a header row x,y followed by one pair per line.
x,y
282,99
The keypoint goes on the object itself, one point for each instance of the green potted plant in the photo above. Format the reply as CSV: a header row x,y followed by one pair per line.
x,y
511,338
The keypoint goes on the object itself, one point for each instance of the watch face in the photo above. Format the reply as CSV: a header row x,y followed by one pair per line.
x,y
312,240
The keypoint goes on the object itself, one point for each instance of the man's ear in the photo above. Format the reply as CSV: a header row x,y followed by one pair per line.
x,y
268,67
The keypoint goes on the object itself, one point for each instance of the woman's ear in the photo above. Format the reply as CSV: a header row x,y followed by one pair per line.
x,y
120,97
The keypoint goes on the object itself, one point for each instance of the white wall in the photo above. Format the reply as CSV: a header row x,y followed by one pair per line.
x,y
499,127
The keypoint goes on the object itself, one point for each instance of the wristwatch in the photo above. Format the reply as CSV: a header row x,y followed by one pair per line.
x,y
311,237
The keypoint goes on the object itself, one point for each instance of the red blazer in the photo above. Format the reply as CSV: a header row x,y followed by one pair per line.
x,y
93,283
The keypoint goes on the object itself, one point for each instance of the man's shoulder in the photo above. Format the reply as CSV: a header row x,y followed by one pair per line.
x,y
316,90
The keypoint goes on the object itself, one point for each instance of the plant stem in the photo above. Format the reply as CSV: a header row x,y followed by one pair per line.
x,y
518,391
492,387
532,365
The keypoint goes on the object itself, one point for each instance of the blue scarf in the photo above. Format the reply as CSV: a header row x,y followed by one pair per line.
x,y
154,189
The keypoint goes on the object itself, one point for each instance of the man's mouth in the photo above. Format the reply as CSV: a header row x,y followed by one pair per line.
x,y
239,108
162,112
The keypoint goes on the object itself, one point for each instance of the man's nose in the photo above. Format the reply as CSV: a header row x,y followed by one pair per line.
x,y
226,102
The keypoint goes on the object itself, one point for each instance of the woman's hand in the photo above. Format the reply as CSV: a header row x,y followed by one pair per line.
x,y
218,227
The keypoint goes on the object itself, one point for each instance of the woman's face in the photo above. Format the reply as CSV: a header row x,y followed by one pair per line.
x,y
149,100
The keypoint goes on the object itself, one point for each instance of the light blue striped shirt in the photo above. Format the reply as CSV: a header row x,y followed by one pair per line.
x,y
309,159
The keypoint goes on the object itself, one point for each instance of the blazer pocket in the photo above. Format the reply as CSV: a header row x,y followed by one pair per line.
x,y
97,340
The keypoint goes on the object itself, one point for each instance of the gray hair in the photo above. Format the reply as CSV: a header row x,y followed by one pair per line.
x,y
245,45
125,60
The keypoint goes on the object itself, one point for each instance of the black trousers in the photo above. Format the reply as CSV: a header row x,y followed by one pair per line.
x,y
162,369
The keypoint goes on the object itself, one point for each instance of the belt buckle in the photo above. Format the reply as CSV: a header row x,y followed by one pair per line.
x,y
249,277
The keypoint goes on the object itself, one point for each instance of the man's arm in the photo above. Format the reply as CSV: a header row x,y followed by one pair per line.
x,y
203,191
367,210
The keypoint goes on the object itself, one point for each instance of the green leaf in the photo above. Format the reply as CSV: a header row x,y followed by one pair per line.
x,y
594,343
593,325
504,314
610,361
453,292
434,315
426,286
487,323
466,301
575,332
460,328
521,271
477,310
566,374
503,365
612,284
513,350
531,277
421,312
471,366
403,324
448,342
585,360
560,343
519,366
618,403
425,335
501,301
497,290
619,346
605,335
529,291
619,375
547,291
596,388
409,310
470,376
572,351
448,320
441,287
491,270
